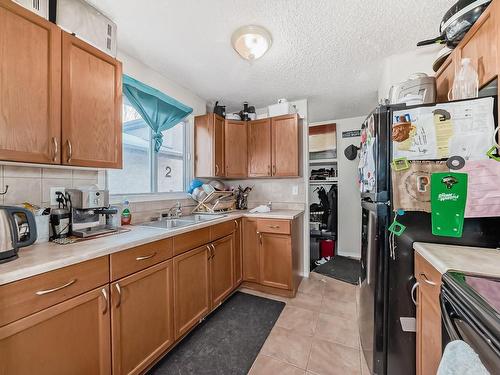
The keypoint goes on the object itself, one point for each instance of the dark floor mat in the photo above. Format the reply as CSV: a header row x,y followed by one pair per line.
x,y
341,268
227,342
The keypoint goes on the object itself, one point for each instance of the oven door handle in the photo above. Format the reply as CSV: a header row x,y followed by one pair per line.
x,y
447,315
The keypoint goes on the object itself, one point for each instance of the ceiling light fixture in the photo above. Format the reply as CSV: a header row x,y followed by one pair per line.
x,y
251,42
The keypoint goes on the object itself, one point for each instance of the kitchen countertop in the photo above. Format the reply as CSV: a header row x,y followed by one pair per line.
x,y
39,258
475,260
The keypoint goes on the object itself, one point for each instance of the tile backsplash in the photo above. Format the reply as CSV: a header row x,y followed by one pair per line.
x,y
32,184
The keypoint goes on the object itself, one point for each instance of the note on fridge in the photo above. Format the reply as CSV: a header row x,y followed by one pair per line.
x,y
483,197
462,128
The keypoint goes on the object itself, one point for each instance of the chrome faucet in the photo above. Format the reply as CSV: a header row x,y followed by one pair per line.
x,y
173,215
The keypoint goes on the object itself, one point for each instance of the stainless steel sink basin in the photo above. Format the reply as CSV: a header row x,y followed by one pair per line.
x,y
182,222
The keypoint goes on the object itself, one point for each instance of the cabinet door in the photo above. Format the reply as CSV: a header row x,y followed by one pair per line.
x,y
285,149
238,266
209,145
480,45
444,80
222,269
428,332
30,86
142,318
276,260
259,148
72,337
235,139
91,106
250,254
191,289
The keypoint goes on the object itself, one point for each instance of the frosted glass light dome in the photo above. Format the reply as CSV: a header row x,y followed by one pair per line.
x,y
251,42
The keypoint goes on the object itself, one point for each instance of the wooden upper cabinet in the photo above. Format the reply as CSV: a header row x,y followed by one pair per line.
x,y
250,254
259,148
222,269
30,86
91,106
235,139
142,318
285,146
480,44
72,337
191,289
209,145
444,80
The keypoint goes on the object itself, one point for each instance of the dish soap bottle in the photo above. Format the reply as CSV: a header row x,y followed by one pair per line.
x,y
466,83
126,214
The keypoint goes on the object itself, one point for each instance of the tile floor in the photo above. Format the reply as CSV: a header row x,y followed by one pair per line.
x,y
316,334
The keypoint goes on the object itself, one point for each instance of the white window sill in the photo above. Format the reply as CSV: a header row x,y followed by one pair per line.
x,y
119,198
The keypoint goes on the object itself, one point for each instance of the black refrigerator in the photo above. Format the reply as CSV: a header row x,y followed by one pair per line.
x,y
386,310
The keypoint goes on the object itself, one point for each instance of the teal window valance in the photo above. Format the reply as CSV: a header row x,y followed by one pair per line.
x,y
159,111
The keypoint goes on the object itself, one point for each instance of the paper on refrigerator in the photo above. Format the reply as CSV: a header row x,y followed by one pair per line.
x,y
483,192
450,129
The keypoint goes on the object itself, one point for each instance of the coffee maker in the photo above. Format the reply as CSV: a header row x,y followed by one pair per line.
x,y
90,212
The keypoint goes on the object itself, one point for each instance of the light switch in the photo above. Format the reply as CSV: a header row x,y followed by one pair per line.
x,y
295,190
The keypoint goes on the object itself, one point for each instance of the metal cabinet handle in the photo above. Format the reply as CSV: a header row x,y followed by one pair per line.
x,y
105,295
209,252
274,170
268,170
213,250
56,148
426,280
274,226
119,291
145,257
412,293
47,291
236,224
216,169
70,150
260,237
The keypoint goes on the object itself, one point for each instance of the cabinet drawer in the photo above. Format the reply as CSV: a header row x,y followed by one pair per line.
x,y
191,240
273,226
27,296
141,257
222,230
428,277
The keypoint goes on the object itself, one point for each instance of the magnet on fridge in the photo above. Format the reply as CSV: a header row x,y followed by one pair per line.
x,y
396,228
448,199
491,154
400,164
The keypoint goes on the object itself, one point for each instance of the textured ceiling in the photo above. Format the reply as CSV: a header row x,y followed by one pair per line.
x,y
328,51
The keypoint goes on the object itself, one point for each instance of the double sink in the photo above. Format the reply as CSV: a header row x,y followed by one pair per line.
x,y
184,221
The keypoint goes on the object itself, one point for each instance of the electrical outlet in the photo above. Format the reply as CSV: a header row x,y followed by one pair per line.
x,y
295,190
53,195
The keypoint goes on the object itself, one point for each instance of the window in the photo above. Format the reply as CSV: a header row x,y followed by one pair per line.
x,y
144,170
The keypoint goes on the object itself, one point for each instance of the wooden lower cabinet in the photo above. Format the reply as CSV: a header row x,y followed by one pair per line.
x,y
429,341
142,318
238,261
191,288
250,251
222,269
72,337
275,252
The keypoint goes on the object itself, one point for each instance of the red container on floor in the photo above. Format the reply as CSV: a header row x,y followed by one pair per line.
x,y
327,248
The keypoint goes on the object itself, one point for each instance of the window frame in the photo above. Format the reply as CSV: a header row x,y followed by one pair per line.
x,y
154,194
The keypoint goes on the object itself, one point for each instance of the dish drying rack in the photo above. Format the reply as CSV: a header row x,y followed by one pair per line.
x,y
217,202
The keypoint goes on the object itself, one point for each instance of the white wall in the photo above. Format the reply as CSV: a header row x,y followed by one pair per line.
x,y
349,206
397,68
